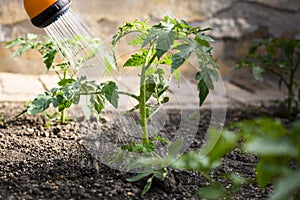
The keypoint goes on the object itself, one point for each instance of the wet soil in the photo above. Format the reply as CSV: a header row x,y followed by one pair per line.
x,y
53,163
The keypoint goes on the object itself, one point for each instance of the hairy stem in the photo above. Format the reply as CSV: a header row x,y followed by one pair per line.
x,y
143,108
143,100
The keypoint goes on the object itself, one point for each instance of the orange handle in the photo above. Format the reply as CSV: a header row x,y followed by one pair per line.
x,y
35,7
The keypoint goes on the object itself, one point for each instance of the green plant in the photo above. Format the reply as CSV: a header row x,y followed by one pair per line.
x,y
280,57
169,43
278,150
69,88
166,44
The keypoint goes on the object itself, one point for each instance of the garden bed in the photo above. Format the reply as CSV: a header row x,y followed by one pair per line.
x,y
52,163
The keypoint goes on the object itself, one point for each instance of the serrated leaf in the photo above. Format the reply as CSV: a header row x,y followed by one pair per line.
x,y
110,92
136,41
164,42
179,58
152,35
57,100
48,57
203,91
14,42
98,103
136,60
39,104
22,49
70,90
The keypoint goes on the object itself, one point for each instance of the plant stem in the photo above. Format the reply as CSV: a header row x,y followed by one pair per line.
x,y
119,92
143,100
143,109
291,88
129,94
62,117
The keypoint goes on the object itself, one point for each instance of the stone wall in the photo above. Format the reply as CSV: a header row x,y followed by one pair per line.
x,y
235,23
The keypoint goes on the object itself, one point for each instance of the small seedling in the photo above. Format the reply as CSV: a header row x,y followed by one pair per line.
x,y
69,88
280,57
169,43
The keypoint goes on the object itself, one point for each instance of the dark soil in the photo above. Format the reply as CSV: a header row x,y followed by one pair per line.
x,y
52,163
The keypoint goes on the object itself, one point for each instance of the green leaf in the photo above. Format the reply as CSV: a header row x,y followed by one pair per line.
x,y
69,90
54,90
98,104
148,185
164,42
286,186
177,76
110,92
213,191
264,176
64,105
203,91
267,146
14,42
65,82
218,144
24,47
39,104
179,58
152,35
204,37
174,148
161,173
236,179
57,100
136,60
150,71
48,57
138,177
257,72
137,41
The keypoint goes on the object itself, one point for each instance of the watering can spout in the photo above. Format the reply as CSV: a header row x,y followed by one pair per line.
x,y
43,13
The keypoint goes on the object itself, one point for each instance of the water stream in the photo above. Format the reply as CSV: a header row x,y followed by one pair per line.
x,y
75,41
